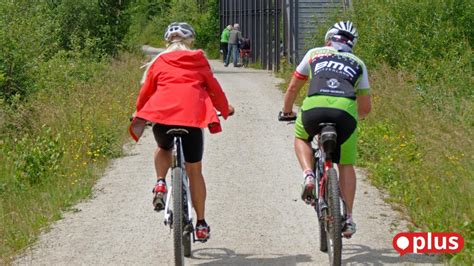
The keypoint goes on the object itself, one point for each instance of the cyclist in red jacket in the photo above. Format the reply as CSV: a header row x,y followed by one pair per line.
x,y
180,90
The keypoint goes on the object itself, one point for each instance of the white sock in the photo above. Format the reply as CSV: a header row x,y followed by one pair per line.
x,y
349,218
307,173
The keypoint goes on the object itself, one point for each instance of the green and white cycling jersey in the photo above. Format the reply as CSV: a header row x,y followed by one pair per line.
x,y
336,79
334,74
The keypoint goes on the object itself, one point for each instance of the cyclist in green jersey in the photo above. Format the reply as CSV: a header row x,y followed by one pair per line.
x,y
339,93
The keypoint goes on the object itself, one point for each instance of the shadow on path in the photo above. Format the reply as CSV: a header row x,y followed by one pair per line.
x,y
364,255
224,256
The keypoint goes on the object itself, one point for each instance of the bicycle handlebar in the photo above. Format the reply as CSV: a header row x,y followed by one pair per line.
x,y
282,117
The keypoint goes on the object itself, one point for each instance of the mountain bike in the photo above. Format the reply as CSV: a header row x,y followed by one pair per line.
x,y
329,205
178,204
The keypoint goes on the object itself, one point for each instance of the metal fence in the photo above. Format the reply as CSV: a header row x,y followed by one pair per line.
x,y
277,28
260,22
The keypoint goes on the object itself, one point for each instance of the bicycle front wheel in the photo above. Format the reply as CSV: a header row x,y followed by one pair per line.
x,y
245,61
178,221
334,234
187,225
322,213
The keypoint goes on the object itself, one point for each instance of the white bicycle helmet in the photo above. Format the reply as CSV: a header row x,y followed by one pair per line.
x,y
345,29
181,29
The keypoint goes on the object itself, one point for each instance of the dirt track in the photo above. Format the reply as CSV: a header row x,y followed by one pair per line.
x,y
253,205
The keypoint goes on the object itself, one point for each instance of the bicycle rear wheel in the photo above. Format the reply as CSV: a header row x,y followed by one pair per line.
x,y
334,228
178,221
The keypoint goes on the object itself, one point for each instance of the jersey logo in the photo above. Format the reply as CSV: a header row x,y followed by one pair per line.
x,y
335,66
333,83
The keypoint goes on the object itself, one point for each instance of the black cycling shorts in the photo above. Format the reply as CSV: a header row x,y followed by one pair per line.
x,y
193,143
346,125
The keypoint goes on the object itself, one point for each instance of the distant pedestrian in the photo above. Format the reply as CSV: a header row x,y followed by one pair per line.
x,y
234,40
225,41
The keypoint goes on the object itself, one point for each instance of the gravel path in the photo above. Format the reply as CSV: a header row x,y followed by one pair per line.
x,y
253,205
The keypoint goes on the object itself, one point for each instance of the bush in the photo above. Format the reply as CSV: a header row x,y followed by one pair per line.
x,y
38,158
417,141
23,28
32,33
149,28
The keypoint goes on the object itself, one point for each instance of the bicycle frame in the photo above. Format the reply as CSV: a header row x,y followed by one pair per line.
x,y
327,165
178,161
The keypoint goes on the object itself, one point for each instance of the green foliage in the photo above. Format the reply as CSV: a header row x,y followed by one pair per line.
x,y
31,33
435,45
148,22
37,158
432,174
103,23
209,35
150,28
64,104
54,144
436,30
24,37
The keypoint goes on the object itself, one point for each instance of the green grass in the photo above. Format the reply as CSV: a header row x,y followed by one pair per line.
x,y
74,128
421,158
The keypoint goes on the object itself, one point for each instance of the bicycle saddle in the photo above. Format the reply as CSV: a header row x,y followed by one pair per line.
x,y
177,132
328,137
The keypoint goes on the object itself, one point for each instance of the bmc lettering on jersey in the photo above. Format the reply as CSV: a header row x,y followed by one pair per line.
x,y
335,66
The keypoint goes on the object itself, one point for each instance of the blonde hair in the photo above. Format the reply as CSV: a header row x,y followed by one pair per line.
x,y
176,44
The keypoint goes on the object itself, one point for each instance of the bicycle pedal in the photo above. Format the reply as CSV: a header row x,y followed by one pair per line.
x,y
158,202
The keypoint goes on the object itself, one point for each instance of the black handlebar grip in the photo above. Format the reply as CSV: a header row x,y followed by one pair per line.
x,y
282,117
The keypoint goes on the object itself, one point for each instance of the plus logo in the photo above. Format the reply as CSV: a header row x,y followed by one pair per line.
x,y
431,242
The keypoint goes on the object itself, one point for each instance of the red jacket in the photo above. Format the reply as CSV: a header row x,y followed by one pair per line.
x,y
180,89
